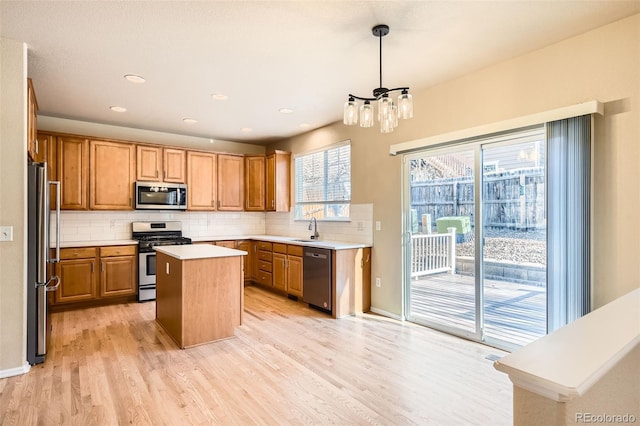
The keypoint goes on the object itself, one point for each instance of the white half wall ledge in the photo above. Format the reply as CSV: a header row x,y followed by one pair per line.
x,y
565,364
590,107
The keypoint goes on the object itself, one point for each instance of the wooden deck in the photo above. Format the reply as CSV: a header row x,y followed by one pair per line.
x,y
514,313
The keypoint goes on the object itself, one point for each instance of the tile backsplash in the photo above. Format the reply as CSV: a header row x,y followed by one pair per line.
x,y
359,229
112,225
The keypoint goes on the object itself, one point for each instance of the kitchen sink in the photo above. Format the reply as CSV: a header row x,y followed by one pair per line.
x,y
305,241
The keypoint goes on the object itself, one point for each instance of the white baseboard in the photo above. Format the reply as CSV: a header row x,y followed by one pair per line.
x,y
386,314
9,372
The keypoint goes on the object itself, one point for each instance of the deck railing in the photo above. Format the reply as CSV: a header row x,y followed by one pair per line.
x,y
433,253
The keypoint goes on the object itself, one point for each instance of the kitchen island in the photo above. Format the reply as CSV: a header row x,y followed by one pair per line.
x,y
200,292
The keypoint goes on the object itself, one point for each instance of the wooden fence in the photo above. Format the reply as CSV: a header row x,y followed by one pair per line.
x,y
512,199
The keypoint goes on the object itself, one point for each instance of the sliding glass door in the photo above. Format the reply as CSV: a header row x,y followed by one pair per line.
x,y
442,289
514,241
476,266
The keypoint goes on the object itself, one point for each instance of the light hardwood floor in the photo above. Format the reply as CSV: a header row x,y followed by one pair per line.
x,y
288,364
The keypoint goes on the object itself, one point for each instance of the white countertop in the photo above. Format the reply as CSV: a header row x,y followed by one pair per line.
x,y
566,363
96,243
199,251
332,245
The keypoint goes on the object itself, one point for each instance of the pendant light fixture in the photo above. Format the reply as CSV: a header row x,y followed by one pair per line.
x,y
388,111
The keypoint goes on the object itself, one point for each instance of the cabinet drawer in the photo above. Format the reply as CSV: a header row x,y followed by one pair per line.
x,y
78,253
279,248
227,244
265,266
265,255
263,245
264,278
117,251
294,250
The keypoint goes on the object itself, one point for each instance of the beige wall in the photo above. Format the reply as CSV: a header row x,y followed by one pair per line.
x,y
603,64
13,148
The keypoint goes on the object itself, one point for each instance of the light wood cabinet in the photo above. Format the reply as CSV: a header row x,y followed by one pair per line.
x,y
148,163
230,182
254,183
264,265
33,146
118,271
113,170
246,245
351,276
47,153
94,275
294,271
73,172
201,180
175,165
278,180
156,164
78,273
287,268
279,271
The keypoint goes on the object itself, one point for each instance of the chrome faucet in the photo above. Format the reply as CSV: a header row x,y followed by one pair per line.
x,y
315,235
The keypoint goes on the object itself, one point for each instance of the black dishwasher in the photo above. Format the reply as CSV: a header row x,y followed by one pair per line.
x,y
316,268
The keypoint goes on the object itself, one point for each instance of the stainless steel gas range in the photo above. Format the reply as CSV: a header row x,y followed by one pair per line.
x,y
150,235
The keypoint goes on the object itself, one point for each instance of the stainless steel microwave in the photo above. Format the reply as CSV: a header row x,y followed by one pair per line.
x,y
161,196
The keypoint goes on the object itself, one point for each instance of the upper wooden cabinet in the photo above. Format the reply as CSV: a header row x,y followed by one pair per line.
x,y
230,182
113,172
156,164
278,181
254,182
201,180
73,172
33,148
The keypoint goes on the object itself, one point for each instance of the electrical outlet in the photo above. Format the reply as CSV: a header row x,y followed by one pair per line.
x,y
113,224
360,226
378,225
6,233
378,282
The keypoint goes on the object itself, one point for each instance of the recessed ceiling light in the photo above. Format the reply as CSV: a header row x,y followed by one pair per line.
x,y
247,130
219,97
117,108
189,120
285,110
135,78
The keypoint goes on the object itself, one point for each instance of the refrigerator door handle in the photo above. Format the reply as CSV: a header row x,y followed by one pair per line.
x,y
55,287
57,258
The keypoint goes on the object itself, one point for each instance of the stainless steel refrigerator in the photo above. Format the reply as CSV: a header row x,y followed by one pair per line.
x,y
38,256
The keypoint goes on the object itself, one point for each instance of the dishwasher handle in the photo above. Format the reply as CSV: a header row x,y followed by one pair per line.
x,y
316,255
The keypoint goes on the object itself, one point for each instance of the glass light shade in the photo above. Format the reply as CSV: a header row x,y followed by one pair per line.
x,y
350,112
366,115
387,123
384,107
405,105
394,115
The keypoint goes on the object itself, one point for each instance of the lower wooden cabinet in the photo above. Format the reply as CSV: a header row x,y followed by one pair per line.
x,y
247,246
287,268
94,274
118,271
78,273
263,263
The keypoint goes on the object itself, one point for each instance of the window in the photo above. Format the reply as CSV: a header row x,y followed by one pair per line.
x,y
323,183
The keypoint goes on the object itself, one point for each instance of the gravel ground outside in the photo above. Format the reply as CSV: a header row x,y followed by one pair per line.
x,y
509,246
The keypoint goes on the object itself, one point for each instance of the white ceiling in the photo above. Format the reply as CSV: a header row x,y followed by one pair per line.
x,y
267,55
